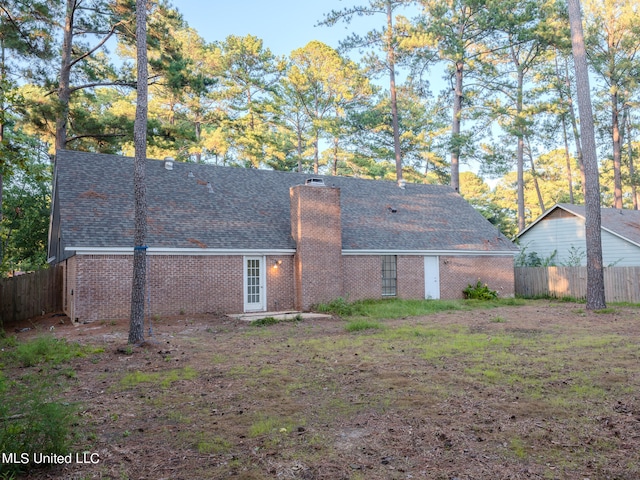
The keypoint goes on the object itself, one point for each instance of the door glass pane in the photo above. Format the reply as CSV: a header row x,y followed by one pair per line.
x,y
253,281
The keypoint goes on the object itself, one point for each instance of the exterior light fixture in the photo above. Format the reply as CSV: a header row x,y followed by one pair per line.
x,y
277,263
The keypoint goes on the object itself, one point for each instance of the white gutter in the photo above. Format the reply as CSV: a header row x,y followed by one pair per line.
x,y
432,252
237,251
177,251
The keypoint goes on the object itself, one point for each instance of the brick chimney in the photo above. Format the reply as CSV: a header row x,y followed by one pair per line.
x,y
317,231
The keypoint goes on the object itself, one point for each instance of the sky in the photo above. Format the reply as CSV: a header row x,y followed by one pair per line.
x,y
283,25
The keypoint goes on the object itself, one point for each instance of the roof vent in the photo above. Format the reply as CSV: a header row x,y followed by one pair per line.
x,y
209,187
314,182
168,163
402,183
191,175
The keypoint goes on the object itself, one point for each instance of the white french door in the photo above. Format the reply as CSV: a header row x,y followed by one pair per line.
x,y
254,284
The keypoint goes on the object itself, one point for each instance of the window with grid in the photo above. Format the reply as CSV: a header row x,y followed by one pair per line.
x,y
389,275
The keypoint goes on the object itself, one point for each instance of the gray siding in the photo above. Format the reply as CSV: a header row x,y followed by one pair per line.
x,y
562,234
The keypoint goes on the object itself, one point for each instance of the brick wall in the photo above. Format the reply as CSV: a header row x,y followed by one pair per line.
x,y
101,285
458,272
362,277
280,283
410,276
317,231
196,284
98,287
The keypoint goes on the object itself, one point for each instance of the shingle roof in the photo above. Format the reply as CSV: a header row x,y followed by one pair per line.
x,y
250,209
622,222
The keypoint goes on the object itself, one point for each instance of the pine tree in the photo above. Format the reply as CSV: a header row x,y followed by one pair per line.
x,y
595,273
136,326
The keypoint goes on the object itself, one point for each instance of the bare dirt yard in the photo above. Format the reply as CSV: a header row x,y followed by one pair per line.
x,y
543,390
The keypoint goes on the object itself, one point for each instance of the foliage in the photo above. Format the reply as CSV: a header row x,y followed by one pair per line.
x,y
479,291
234,102
576,257
267,321
32,423
532,259
339,306
25,220
46,349
33,420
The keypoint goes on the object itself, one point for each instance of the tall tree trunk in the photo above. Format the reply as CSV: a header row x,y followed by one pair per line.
x,y
335,156
617,150
64,84
565,137
198,131
299,150
136,326
568,160
391,59
455,127
520,136
574,126
634,193
299,134
534,174
3,76
595,272
316,152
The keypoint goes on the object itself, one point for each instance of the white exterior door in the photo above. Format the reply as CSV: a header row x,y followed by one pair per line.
x,y
254,284
432,278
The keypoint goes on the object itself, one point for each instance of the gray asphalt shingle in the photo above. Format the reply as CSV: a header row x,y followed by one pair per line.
x,y
249,209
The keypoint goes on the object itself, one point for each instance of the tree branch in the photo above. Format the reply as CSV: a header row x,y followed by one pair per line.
x,y
102,84
99,45
89,135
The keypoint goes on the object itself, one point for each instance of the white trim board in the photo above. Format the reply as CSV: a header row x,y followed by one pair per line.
x,y
234,251
432,252
177,251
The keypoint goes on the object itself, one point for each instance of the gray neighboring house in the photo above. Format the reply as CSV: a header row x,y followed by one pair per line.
x,y
232,240
562,229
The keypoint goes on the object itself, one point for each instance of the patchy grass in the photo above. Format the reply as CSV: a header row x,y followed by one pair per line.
x,y
362,324
34,417
161,379
526,387
47,349
398,308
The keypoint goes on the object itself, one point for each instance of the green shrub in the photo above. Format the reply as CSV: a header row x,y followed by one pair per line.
x,y
265,322
479,291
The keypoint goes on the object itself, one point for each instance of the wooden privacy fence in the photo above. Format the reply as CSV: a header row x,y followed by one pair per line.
x,y
30,295
621,284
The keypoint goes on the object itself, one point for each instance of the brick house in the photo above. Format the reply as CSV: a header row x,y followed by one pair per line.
x,y
231,240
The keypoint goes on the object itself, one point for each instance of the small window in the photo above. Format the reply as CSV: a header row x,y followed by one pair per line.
x,y
389,276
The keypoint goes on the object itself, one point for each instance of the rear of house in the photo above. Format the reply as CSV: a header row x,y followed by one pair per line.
x,y
230,240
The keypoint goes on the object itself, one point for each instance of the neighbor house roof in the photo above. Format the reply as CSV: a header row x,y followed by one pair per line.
x,y
619,222
213,207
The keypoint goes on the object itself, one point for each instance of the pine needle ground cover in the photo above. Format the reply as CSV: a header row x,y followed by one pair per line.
x,y
469,390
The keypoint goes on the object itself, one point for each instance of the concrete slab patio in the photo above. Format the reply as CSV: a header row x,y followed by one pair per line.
x,y
287,315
